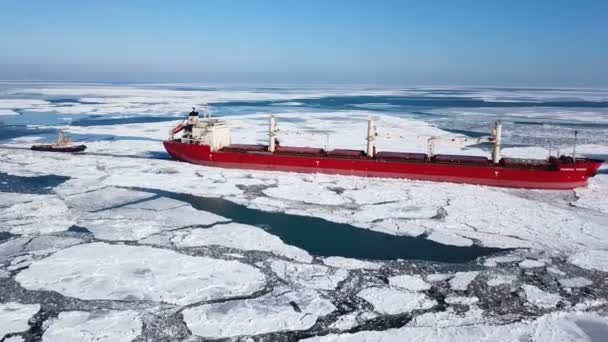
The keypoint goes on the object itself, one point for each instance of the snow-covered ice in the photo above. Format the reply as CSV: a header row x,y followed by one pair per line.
x,y
461,280
541,298
14,317
239,236
306,275
409,282
103,326
34,214
591,259
394,301
120,272
282,309
350,264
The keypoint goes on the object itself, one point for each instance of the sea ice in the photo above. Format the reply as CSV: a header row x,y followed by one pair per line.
x,y
541,298
144,218
571,328
409,282
240,236
501,279
461,280
350,264
104,198
591,259
307,275
103,326
14,317
35,214
393,301
575,282
529,263
282,309
477,332
120,272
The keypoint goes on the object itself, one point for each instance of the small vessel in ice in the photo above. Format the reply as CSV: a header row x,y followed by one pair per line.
x,y
206,141
63,144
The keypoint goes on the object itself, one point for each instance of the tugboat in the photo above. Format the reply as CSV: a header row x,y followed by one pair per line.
x,y
63,144
206,141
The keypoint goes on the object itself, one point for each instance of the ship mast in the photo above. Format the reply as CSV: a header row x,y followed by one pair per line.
x,y
371,136
497,137
272,133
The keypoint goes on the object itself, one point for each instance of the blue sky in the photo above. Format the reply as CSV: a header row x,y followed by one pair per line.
x,y
499,42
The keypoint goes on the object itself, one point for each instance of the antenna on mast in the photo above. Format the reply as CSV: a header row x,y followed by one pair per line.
x,y
574,146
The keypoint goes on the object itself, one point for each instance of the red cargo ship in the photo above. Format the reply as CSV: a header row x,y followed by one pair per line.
x,y
206,141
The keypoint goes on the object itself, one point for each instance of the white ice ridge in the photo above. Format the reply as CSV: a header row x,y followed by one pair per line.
x,y
14,317
282,309
120,272
240,236
98,326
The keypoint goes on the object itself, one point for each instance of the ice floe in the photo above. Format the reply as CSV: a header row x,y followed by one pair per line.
x,y
238,236
393,301
591,259
529,263
307,275
14,317
120,272
575,282
282,309
351,264
461,280
144,217
541,298
409,282
34,214
104,326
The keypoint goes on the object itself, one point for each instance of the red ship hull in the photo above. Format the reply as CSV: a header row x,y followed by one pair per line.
x,y
560,176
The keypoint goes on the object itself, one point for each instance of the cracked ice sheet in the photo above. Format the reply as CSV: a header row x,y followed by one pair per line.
x,y
394,301
282,309
150,216
104,198
103,326
14,317
33,214
120,272
239,236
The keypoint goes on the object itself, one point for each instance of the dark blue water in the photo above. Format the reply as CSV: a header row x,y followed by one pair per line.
x,y
40,185
324,238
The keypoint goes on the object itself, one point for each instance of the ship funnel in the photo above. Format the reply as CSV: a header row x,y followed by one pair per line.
x,y
497,138
272,133
371,136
